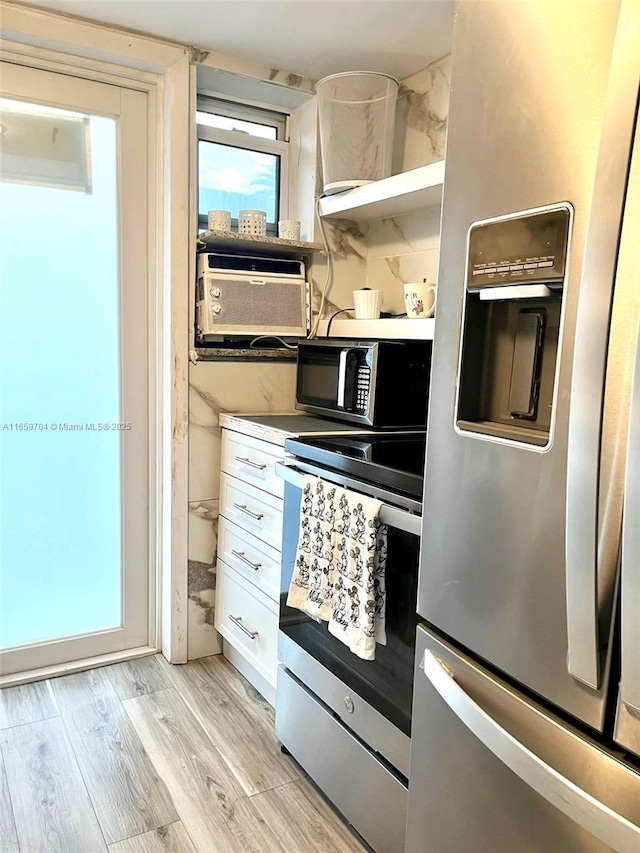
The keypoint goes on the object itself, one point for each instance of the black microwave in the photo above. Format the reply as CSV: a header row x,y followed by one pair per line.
x,y
381,384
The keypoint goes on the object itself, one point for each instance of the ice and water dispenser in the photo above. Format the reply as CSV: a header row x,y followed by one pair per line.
x,y
511,324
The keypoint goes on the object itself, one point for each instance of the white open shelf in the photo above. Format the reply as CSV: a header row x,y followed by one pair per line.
x,y
401,328
412,190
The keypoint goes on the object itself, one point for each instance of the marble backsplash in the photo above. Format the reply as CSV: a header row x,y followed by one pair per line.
x,y
231,387
421,117
348,244
402,249
216,387
202,639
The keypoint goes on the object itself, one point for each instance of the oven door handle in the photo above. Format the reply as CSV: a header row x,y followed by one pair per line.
x,y
392,516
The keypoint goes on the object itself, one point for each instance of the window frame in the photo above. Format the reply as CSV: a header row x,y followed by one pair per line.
x,y
242,139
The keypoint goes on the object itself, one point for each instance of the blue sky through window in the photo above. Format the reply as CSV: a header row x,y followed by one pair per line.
x,y
235,179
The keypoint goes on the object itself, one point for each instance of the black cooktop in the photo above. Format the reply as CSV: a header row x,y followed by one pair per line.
x,y
393,461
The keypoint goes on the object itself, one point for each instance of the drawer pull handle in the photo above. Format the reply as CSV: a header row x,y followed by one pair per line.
x,y
237,620
243,508
240,555
259,465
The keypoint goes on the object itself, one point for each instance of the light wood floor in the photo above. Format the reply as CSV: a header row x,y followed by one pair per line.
x,y
144,757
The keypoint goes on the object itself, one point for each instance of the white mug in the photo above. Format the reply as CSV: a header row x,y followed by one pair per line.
x,y
367,304
418,300
289,229
219,220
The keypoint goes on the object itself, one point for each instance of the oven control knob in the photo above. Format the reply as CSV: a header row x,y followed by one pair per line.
x,y
216,308
348,704
215,292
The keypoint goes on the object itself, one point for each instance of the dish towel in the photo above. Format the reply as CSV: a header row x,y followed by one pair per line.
x,y
339,571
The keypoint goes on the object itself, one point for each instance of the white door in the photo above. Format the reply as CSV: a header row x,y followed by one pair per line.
x,y
74,366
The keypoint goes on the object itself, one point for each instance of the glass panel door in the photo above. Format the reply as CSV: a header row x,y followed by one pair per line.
x,y
73,371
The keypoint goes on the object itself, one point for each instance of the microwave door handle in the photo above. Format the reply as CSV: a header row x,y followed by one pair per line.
x,y
590,351
342,378
630,557
596,817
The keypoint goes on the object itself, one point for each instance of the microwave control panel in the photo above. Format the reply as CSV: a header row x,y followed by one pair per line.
x,y
354,380
363,382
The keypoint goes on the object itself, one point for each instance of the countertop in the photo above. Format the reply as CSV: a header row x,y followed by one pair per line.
x,y
247,354
277,427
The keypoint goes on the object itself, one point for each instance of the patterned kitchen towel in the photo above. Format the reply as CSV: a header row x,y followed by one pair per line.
x,y
339,572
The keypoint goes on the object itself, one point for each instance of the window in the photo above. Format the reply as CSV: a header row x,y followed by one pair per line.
x,y
242,160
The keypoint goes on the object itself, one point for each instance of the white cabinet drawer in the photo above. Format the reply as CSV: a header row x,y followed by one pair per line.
x,y
252,460
251,509
257,562
248,620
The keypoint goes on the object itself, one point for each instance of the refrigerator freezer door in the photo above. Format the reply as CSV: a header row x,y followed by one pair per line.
x,y
628,717
493,568
492,773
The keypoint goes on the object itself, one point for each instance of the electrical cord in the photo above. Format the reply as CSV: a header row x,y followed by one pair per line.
x,y
335,314
272,338
329,276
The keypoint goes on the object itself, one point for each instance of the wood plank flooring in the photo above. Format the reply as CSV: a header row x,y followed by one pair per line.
x,y
8,835
27,703
144,757
239,722
51,806
127,794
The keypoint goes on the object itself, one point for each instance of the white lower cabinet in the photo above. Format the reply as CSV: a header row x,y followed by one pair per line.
x,y
252,460
249,557
248,619
258,562
255,511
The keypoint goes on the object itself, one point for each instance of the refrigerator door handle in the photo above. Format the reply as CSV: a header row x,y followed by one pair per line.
x,y
611,828
630,557
590,351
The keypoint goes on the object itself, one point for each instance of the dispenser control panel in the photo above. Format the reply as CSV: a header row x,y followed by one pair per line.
x,y
519,250
511,329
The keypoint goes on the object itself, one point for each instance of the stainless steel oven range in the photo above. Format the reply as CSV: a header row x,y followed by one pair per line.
x,y
347,721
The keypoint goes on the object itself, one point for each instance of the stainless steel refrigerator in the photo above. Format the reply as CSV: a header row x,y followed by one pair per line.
x,y
526,710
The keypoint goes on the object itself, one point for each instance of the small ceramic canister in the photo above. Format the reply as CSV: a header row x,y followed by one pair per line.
x,y
289,229
219,220
420,299
367,303
252,222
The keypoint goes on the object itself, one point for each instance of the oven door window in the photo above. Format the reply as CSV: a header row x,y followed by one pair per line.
x,y
385,683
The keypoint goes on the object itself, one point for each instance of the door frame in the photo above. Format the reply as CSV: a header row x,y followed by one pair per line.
x,y
162,70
